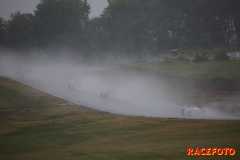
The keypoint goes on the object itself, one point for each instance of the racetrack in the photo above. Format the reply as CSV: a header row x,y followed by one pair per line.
x,y
130,98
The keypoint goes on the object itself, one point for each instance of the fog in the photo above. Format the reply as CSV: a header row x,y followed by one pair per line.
x,y
101,84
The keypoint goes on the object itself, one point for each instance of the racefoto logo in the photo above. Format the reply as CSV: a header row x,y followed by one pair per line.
x,y
210,151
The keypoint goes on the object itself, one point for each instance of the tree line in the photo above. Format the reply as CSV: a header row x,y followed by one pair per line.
x,y
125,26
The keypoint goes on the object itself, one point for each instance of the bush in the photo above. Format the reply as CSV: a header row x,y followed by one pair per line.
x,y
221,56
202,57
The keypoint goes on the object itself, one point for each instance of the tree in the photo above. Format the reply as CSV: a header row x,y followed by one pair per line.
x,y
207,24
2,31
119,17
202,56
162,26
138,25
221,56
98,36
61,21
19,30
128,26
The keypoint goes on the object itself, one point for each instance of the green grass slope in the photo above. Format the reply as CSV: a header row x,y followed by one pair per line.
x,y
212,70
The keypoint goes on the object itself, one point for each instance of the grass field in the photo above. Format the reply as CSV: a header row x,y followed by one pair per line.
x,y
212,70
36,125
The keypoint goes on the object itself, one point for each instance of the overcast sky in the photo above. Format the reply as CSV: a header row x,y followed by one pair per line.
x,y
28,6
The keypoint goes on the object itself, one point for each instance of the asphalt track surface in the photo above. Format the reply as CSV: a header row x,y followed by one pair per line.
x,y
144,106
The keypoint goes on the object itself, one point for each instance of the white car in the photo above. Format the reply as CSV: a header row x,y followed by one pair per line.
x,y
193,111
108,94
26,74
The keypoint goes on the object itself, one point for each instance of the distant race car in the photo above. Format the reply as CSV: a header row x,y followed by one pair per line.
x,y
108,94
72,85
26,74
193,111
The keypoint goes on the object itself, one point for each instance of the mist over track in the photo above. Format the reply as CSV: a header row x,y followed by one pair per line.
x,y
86,90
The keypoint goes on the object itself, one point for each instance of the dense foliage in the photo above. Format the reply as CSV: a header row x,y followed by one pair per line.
x,y
201,57
221,56
126,26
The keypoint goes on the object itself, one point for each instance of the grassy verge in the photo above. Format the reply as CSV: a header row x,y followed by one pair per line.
x,y
213,70
52,129
16,96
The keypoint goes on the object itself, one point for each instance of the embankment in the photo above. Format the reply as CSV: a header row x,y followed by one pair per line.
x,y
187,82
